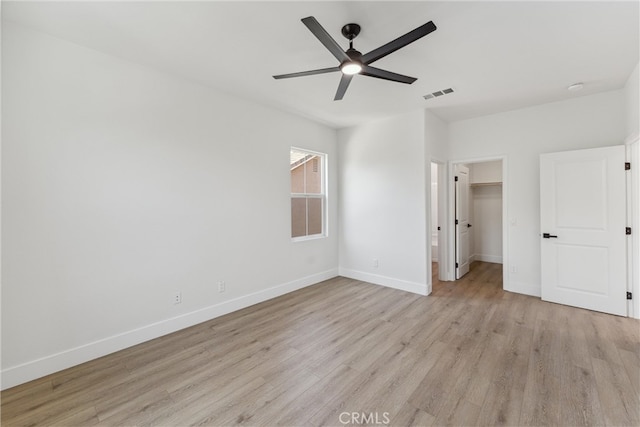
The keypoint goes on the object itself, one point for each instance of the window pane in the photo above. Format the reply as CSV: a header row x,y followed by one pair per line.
x,y
314,215
297,178
313,172
298,160
307,193
298,217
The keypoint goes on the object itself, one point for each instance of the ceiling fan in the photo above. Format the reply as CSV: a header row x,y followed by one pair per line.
x,y
353,62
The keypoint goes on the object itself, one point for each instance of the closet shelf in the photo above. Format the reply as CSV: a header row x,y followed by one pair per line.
x,y
484,184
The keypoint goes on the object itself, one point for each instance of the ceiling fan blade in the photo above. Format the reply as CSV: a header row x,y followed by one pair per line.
x,y
398,43
321,34
370,71
307,73
342,87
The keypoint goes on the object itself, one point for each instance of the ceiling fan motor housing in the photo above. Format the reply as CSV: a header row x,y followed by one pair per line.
x,y
354,54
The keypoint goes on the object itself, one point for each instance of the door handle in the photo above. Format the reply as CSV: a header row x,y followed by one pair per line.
x,y
469,226
548,236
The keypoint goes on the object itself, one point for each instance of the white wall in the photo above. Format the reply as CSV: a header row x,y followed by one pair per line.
x,y
486,205
485,172
436,137
383,199
521,135
632,95
121,185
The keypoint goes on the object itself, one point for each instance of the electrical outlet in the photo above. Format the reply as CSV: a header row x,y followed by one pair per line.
x,y
222,286
375,263
177,297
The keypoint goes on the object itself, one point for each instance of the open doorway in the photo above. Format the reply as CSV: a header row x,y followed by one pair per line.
x,y
437,222
477,215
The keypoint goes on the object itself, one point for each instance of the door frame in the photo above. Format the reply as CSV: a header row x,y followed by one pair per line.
x,y
443,253
632,146
450,216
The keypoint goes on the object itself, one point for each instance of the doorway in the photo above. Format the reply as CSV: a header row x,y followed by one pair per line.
x,y
435,223
437,237
477,212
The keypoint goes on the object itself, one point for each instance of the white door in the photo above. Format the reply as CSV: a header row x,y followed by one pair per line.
x,y
462,220
582,211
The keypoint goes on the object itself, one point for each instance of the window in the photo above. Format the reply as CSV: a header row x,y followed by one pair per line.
x,y
308,198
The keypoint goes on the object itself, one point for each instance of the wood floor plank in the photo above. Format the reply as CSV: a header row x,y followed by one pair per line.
x,y
223,373
618,399
468,392
364,391
469,354
397,390
411,416
482,368
631,362
434,390
579,400
503,400
124,411
315,399
464,414
541,405
363,340
249,410
202,408
16,395
85,417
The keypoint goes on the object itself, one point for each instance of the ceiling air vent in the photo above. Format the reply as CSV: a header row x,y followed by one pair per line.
x,y
438,93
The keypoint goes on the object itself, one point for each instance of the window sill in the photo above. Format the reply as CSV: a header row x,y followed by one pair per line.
x,y
307,238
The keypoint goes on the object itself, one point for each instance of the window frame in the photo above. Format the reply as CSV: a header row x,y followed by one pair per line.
x,y
322,196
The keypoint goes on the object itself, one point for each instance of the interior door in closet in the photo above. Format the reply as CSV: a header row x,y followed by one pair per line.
x,y
462,220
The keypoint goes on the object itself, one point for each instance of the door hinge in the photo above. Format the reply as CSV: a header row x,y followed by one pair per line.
x,y
457,265
627,231
629,295
456,222
438,228
627,166
456,179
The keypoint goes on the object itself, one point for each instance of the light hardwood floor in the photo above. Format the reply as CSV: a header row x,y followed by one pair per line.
x,y
469,354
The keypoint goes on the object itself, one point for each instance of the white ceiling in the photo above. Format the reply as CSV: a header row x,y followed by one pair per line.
x,y
498,56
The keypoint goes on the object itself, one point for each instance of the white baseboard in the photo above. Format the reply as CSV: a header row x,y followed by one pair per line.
x,y
390,282
486,258
34,369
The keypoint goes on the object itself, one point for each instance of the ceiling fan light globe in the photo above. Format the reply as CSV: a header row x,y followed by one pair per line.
x,y
351,68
